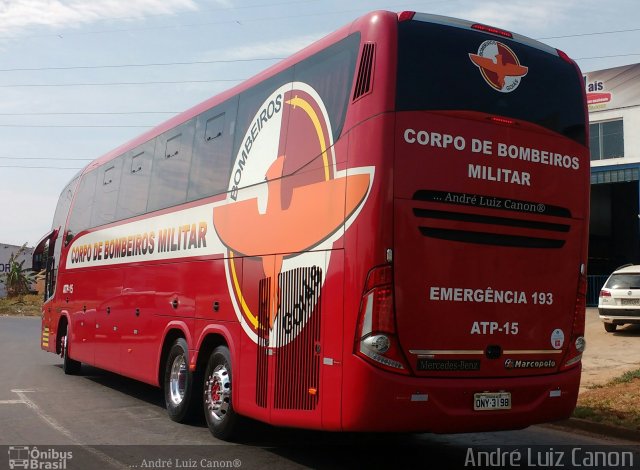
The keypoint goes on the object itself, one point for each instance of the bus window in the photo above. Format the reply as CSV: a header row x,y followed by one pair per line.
x,y
211,161
107,187
171,163
429,80
330,73
80,218
136,175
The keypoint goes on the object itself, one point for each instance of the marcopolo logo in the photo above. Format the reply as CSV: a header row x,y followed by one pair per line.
x,y
499,66
523,364
280,234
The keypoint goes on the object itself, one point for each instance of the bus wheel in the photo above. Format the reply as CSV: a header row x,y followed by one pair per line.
x,y
218,409
178,383
610,327
69,366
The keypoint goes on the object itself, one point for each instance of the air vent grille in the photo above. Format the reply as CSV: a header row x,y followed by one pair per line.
x,y
365,77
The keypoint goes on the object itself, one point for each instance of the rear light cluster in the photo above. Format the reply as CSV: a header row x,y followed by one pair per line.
x,y
578,343
605,293
376,339
492,30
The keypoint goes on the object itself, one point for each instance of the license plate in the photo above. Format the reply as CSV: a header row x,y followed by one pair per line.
x,y
492,401
630,301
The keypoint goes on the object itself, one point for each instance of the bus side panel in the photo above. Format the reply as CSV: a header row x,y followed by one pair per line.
x,y
332,343
367,240
154,296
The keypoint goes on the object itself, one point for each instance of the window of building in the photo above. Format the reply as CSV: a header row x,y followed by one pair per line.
x,y
606,140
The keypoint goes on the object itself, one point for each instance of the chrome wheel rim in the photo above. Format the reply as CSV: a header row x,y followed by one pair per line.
x,y
217,393
178,380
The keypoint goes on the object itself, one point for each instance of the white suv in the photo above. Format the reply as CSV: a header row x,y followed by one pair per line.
x,y
619,301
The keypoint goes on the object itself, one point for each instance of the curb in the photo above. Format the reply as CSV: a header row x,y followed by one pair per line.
x,y
606,430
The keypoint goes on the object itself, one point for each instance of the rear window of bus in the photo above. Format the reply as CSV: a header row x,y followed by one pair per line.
x,y
436,73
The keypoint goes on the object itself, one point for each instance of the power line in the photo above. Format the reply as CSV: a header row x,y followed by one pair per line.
x,y
176,82
158,64
41,167
71,126
607,56
46,158
123,113
592,34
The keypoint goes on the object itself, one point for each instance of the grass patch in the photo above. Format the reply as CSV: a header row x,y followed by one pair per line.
x,y
616,403
30,305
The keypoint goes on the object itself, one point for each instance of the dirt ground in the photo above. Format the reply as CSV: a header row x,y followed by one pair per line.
x,y
608,355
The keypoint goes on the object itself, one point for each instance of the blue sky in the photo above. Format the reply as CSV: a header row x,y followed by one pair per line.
x,y
64,65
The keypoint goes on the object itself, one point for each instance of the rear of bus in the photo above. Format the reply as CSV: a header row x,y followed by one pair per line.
x,y
478,323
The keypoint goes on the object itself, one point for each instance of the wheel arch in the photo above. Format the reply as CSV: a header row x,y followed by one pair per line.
x,y
64,326
172,332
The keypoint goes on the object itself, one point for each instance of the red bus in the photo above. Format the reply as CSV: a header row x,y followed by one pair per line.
x,y
393,219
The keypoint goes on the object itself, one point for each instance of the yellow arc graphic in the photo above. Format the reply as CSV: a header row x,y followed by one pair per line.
x,y
306,107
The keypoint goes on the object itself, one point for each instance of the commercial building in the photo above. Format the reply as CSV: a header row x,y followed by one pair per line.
x,y
613,97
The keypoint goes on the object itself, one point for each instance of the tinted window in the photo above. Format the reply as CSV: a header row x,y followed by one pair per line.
x,y
211,161
435,72
330,73
64,203
606,139
171,163
83,204
623,281
252,99
136,176
107,187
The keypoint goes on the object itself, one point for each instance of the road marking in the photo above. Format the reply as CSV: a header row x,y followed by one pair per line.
x,y
10,402
65,432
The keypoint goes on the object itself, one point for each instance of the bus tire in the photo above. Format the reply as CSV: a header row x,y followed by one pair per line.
x,y
180,401
69,366
221,418
610,327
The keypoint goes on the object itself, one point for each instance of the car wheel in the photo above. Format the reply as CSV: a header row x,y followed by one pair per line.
x,y
218,407
179,383
69,366
610,327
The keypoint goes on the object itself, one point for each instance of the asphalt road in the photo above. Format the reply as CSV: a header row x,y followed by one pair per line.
x,y
107,421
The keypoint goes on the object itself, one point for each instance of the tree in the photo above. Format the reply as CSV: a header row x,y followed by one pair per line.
x,y
18,279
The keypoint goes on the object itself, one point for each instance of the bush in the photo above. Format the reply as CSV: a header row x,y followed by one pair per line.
x,y
18,279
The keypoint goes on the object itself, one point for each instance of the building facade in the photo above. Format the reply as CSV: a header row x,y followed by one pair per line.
x,y
613,99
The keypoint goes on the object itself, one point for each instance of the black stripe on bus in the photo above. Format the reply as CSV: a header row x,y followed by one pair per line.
x,y
496,239
485,219
490,202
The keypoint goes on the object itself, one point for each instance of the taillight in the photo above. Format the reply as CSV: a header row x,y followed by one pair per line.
x,y
605,293
578,344
564,56
492,30
503,121
376,339
406,15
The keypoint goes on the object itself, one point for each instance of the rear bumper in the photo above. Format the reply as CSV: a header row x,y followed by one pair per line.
x,y
619,315
378,401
